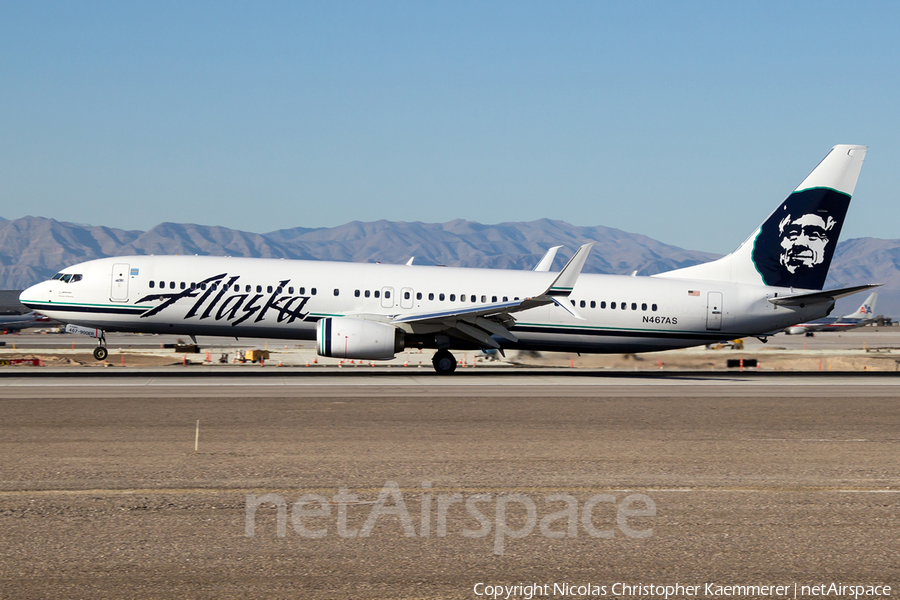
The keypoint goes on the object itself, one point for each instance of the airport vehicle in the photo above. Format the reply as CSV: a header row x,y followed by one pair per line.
x,y
861,317
731,344
372,311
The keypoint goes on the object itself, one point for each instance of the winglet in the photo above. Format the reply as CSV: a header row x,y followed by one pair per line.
x,y
547,260
565,281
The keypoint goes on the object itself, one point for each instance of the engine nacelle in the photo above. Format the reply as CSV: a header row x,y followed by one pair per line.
x,y
795,330
346,337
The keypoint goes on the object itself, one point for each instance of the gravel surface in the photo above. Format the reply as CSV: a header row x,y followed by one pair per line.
x,y
102,495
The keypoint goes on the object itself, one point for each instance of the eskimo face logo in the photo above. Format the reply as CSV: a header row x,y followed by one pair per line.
x,y
803,240
795,245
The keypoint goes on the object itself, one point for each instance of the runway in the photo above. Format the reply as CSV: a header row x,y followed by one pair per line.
x,y
751,481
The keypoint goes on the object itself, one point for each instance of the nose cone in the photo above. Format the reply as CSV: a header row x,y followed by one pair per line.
x,y
35,293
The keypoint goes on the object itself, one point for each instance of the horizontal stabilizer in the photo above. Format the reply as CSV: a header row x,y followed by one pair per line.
x,y
823,296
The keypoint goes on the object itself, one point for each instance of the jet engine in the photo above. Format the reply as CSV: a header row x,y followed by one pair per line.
x,y
346,337
795,330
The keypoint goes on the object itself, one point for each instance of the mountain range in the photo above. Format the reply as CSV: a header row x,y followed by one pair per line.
x,y
34,248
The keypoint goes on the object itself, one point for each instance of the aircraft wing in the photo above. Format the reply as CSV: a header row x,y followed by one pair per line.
x,y
17,322
823,296
480,322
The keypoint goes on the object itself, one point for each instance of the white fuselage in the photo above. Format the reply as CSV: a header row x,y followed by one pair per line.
x,y
276,298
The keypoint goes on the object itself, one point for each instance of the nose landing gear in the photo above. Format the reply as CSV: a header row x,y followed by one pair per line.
x,y
100,352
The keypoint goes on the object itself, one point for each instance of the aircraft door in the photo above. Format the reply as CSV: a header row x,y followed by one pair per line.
x,y
714,311
387,297
406,298
118,291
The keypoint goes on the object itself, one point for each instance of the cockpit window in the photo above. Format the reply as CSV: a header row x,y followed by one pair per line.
x,y
67,277
57,276
75,278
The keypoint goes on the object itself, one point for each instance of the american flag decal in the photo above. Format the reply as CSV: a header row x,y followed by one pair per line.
x,y
693,293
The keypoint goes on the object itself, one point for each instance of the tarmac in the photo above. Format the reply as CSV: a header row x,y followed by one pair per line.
x,y
422,486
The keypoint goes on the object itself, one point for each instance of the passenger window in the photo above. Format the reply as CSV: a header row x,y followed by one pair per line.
x,y
582,304
418,295
441,297
634,306
279,290
301,290
152,284
291,290
653,308
202,286
269,289
406,295
573,302
377,294
387,294
356,293
452,297
162,285
612,305
493,298
171,285
312,291
182,285
603,304
644,306
505,298
258,289
624,306
337,292
431,295
368,293
593,304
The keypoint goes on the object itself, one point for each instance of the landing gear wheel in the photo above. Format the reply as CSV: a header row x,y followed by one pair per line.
x,y
444,362
100,353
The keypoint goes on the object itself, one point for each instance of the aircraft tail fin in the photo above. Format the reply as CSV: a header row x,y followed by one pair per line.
x,y
866,310
794,245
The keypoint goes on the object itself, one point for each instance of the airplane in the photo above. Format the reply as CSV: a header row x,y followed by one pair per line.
x,y
18,322
861,317
772,281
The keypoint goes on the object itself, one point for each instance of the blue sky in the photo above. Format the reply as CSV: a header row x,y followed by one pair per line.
x,y
684,121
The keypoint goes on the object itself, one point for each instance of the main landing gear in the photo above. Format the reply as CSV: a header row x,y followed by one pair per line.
x,y
444,362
